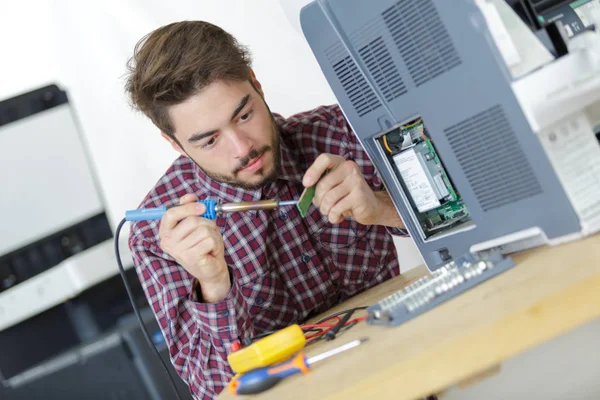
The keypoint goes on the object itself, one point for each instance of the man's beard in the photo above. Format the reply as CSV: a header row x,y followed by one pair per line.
x,y
253,155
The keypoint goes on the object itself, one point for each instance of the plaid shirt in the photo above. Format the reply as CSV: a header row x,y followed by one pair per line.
x,y
284,268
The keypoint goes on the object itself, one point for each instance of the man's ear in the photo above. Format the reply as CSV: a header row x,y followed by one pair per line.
x,y
174,144
256,83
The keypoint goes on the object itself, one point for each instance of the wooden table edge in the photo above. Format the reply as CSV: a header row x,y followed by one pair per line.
x,y
579,302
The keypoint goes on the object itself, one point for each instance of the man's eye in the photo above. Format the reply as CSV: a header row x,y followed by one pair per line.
x,y
246,117
209,143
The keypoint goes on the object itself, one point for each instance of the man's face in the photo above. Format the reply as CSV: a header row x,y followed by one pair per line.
x,y
228,130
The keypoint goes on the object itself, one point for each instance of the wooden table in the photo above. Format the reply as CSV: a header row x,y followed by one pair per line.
x,y
550,291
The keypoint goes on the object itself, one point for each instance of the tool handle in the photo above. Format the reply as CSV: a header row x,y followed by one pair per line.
x,y
270,350
262,379
146,214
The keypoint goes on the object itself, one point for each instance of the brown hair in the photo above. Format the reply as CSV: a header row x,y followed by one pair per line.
x,y
176,61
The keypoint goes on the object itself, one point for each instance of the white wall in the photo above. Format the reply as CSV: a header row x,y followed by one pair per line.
x,y
28,52
85,46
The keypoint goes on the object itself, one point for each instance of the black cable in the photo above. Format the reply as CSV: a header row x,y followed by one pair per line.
x,y
340,313
322,337
135,309
346,327
262,335
249,341
330,335
347,313
309,330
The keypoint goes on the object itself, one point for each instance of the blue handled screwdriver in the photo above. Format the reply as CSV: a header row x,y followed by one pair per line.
x,y
262,379
212,209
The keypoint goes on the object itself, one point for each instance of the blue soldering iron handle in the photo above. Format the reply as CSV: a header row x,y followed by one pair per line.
x,y
147,214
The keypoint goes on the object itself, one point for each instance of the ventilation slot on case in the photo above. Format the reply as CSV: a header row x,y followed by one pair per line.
x,y
378,60
496,167
421,38
357,89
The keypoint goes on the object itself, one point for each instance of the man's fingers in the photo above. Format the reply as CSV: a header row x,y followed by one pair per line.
x,y
174,215
188,198
185,227
189,225
188,207
208,245
196,236
321,164
341,209
330,181
191,198
333,196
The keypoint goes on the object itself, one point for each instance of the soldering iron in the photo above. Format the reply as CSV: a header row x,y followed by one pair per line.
x,y
213,208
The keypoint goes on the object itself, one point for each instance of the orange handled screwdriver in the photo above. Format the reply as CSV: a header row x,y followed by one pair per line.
x,y
262,379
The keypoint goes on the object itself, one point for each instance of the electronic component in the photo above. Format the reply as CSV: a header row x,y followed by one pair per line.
x,y
417,180
305,200
433,199
444,283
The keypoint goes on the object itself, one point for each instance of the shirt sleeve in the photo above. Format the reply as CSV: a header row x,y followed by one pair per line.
x,y
357,153
198,335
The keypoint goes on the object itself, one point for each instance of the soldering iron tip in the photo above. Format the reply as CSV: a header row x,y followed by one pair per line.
x,y
287,203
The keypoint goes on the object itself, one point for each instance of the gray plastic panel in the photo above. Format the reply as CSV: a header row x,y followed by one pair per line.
x,y
400,313
330,50
468,80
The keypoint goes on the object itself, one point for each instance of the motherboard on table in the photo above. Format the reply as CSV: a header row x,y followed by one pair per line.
x,y
446,282
435,202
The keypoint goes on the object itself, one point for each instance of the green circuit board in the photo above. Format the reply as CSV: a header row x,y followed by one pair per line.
x,y
434,199
305,199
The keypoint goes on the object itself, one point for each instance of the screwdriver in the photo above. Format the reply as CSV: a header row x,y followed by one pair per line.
x,y
212,209
262,379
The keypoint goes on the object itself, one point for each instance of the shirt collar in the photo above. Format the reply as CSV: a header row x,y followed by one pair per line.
x,y
226,192
289,162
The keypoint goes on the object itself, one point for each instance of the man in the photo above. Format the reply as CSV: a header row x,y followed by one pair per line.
x,y
211,283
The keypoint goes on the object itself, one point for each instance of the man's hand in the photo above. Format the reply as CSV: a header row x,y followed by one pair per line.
x,y
343,191
197,245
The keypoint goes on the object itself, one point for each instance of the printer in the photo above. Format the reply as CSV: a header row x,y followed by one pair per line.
x,y
482,129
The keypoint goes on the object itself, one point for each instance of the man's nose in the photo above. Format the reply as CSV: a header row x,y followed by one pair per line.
x,y
240,144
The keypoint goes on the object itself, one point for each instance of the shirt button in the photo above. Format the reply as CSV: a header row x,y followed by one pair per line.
x,y
283,215
259,300
305,257
225,313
